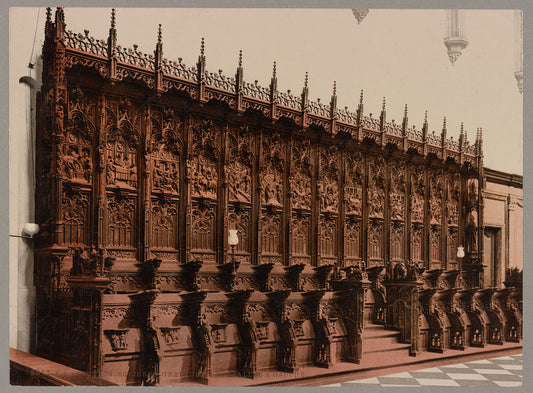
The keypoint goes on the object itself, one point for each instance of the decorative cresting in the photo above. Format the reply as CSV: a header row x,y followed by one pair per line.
x,y
146,166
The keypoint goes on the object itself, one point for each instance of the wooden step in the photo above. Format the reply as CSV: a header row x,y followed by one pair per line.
x,y
383,346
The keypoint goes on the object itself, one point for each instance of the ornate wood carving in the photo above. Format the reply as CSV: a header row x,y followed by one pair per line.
x,y
142,177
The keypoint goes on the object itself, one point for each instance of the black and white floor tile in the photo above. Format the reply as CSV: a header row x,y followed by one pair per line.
x,y
504,371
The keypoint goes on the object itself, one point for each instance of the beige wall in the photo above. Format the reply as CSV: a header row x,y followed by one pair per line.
x,y
503,214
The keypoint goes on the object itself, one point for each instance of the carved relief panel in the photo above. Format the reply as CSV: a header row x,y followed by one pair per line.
x,y
203,228
435,197
271,234
328,180
271,197
452,202
375,241
434,244
122,133
452,243
165,150
121,224
240,219
75,217
202,169
471,210
239,166
164,224
76,155
328,192
270,176
353,184
202,165
417,194
300,236
300,177
397,190
352,239
397,241
416,242
301,194
327,237
376,187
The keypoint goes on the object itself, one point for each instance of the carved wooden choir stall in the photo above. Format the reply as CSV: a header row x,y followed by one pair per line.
x,y
344,222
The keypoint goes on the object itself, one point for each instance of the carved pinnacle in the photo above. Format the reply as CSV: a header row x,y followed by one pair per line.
x,y
240,58
159,35
361,98
274,71
306,80
202,47
334,88
112,18
405,111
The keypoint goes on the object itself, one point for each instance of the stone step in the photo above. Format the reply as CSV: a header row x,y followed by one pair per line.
x,y
372,346
379,342
377,332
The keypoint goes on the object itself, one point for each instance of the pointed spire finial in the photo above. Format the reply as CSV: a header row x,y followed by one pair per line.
x,y
405,111
383,104
273,85
425,116
159,34
112,18
240,58
202,47
361,98
48,14
305,92
333,103
112,38
443,133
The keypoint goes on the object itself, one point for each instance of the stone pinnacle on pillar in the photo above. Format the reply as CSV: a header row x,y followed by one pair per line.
x,y
444,132
112,38
405,121
333,104
60,23
383,116
360,109
273,84
480,141
305,92
461,137
159,49
201,61
239,74
425,127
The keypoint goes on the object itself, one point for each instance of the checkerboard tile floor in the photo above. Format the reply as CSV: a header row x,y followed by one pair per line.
x,y
504,371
